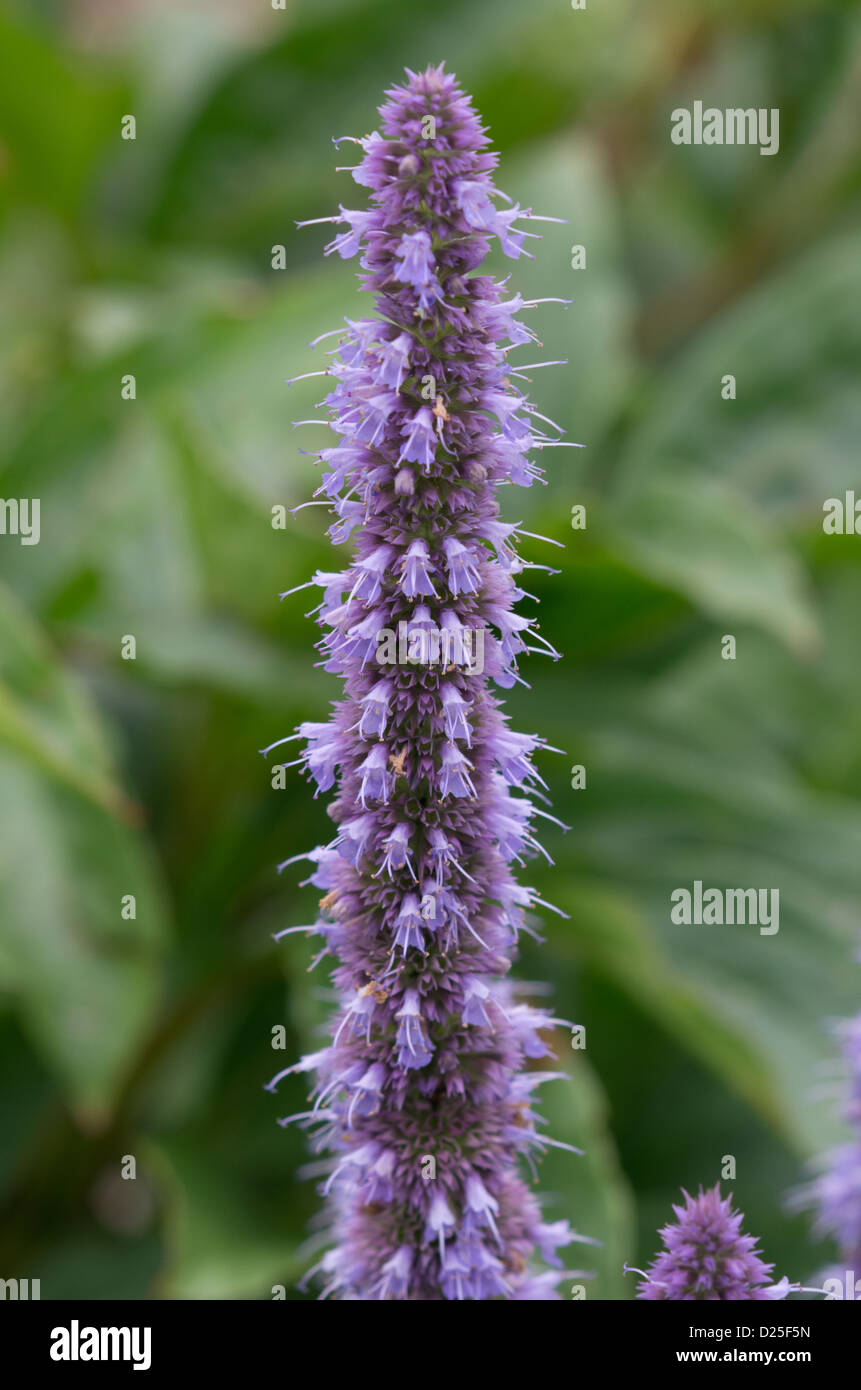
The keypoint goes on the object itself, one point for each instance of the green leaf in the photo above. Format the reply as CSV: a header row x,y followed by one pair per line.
x,y
589,1190
217,1247
614,939
214,654
699,537
85,979
45,717
709,490
693,780
84,976
55,117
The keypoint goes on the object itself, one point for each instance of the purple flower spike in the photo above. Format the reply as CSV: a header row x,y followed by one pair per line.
x,y
707,1256
423,1097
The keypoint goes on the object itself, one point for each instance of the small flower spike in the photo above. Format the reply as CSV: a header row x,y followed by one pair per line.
x,y
706,1255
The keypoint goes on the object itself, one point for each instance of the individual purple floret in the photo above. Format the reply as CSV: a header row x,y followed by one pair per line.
x,y
422,1095
707,1256
836,1192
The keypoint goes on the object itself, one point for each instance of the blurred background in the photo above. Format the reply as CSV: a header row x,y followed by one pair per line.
x,y
151,1036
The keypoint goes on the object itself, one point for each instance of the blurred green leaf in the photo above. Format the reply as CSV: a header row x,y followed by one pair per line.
x,y
84,976
687,785
56,117
699,537
793,345
707,489
45,717
589,1190
85,979
216,1247
615,940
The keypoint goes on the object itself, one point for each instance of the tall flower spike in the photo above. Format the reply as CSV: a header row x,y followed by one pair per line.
x,y
707,1256
422,1096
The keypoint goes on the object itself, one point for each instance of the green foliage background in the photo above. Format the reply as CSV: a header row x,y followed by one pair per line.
x,y
152,1037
